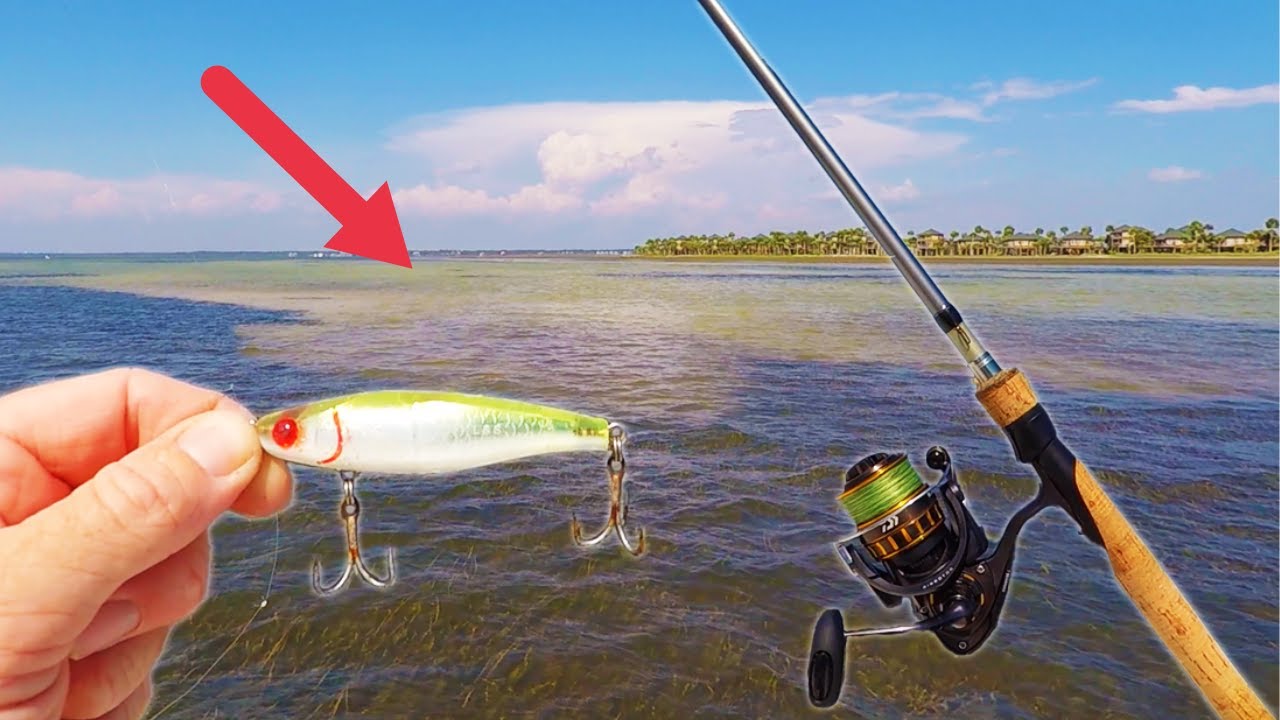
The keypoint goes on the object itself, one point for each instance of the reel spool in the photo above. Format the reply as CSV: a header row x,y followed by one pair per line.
x,y
916,541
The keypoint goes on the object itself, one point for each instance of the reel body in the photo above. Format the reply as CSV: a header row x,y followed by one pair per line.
x,y
921,543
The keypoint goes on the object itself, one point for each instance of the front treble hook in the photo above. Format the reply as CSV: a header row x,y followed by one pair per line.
x,y
617,467
349,511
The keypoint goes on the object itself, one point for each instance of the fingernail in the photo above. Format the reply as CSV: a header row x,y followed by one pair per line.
x,y
114,620
220,442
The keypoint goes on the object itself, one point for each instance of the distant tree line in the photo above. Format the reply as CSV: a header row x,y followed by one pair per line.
x,y
1194,237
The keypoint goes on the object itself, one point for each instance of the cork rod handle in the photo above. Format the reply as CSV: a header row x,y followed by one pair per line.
x,y
1010,401
1167,610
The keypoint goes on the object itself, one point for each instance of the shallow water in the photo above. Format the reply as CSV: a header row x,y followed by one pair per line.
x,y
747,388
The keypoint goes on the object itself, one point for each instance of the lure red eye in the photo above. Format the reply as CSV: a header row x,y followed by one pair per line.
x,y
285,432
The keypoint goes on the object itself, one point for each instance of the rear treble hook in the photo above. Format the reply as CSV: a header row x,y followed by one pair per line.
x,y
349,511
617,467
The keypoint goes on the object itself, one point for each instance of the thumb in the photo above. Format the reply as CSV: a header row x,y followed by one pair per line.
x,y
141,509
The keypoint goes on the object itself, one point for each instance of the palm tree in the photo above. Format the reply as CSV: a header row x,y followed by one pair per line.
x,y
1273,230
1199,235
1257,240
988,243
777,243
1143,239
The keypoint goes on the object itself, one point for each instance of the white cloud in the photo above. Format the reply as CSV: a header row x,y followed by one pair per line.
x,y
946,107
918,105
1191,97
441,200
906,190
1173,173
1028,89
575,159
623,158
911,106
34,193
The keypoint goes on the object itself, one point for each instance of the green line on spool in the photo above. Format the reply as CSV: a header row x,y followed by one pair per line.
x,y
887,492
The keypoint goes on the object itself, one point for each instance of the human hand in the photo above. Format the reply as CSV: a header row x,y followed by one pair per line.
x,y
108,486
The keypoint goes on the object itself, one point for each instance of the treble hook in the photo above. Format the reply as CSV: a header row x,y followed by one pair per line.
x,y
349,511
617,467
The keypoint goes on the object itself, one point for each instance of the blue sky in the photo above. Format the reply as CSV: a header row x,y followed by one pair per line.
x,y
589,124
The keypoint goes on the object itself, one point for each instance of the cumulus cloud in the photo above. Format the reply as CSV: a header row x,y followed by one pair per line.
x,y
1190,97
1173,173
619,158
600,165
35,193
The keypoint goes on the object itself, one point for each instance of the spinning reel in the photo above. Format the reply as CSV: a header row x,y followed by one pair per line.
x,y
919,542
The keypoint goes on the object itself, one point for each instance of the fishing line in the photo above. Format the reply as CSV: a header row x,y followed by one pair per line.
x,y
164,183
275,558
877,488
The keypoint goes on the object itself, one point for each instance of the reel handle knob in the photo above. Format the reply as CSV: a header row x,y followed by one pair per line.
x,y
826,660
937,458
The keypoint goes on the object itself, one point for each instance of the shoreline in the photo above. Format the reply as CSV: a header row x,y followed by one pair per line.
x,y
1227,260
1271,259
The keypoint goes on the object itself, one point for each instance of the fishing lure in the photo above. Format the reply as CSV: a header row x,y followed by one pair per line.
x,y
432,433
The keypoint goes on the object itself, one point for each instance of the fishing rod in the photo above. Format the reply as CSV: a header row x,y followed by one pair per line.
x,y
921,542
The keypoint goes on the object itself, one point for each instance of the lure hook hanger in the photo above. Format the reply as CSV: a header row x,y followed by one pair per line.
x,y
349,511
617,468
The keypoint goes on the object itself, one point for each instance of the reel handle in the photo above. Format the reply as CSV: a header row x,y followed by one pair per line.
x,y
959,610
825,670
1010,401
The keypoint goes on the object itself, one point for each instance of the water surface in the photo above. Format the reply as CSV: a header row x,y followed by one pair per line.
x,y
748,389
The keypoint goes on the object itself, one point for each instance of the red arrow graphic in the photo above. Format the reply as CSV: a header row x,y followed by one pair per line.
x,y
369,229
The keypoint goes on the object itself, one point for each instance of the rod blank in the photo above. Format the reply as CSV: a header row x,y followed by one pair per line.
x,y
944,313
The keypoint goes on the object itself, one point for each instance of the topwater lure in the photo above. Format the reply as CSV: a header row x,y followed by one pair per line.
x,y
922,542
431,433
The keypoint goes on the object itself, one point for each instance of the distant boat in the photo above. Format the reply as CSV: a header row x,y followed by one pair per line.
x,y
293,254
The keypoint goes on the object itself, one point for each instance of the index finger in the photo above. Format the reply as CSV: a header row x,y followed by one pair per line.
x,y
69,429
76,426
